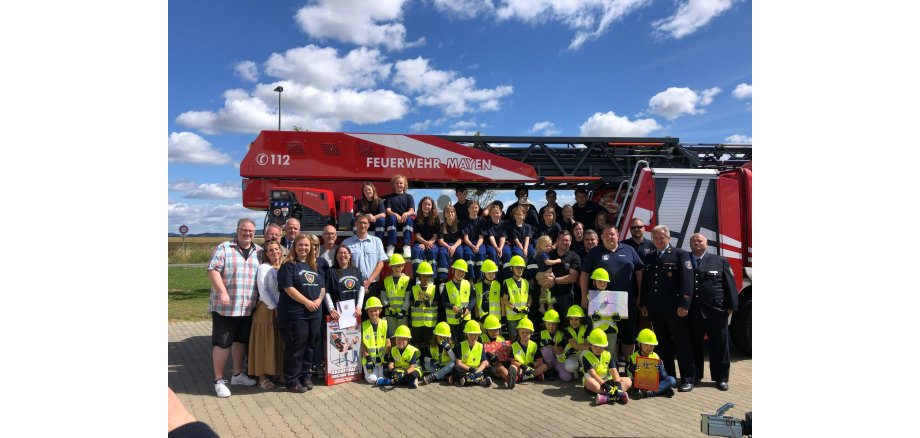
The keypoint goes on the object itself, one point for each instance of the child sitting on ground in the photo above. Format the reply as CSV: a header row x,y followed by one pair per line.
x,y
527,364
647,342
401,367
601,376
471,361
439,359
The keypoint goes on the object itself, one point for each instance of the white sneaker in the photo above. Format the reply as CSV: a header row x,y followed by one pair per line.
x,y
407,252
220,387
243,379
390,250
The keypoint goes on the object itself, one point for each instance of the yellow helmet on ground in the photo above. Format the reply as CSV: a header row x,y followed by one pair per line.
x,y
397,259
598,337
575,311
489,266
492,323
442,329
373,302
472,327
525,324
647,336
600,274
424,268
517,262
402,332
459,265
551,315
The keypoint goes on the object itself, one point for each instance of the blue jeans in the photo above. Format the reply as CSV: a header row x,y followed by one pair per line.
x,y
419,254
665,384
441,372
393,226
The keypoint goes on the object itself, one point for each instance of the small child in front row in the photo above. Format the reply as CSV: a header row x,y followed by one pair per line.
x,y
544,268
601,376
574,338
552,345
527,364
439,359
375,344
401,366
647,342
471,360
492,326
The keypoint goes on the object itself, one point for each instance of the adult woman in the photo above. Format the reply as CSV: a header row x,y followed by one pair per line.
x,y
371,204
578,237
300,312
345,282
265,347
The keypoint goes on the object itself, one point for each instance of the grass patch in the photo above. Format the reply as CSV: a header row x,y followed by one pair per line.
x,y
189,292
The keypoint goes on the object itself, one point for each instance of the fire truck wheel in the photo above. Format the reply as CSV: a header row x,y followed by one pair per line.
x,y
741,328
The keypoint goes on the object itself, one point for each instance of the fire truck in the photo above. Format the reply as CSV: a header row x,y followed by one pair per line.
x,y
692,188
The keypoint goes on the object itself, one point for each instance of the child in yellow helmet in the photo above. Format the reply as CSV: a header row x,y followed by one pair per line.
x,y
471,360
393,295
497,368
516,297
488,293
601,376
552,346
608,323
438,358
375,344
574,338
527,363
647,342
423,311
402,362
457,300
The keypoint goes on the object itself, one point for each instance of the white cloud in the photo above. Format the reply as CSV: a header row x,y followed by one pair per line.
x,y
611,125
443,89
588,18
690,16
742,91
188,147
675,102
548,128
193,190
460,132
321,67
247,70
739,139
209,218
360,22
428,123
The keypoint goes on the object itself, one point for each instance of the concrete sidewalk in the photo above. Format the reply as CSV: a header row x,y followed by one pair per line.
x,y
352,409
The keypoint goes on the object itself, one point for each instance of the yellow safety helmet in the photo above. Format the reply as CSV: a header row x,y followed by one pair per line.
x,y
424,268
517,262
373,302
647,336
459,265
598,337
397,259
402,332
442,329
489,266
525,324
472,327
551,315
575,311
492,323
600,274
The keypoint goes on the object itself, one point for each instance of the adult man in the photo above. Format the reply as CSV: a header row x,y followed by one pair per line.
x,y
666,296
643,246
585,211
273,232
565,274
521,193
232,273
291,230
462,206
551,203
715,298
624,267
328,248
368,254
589,241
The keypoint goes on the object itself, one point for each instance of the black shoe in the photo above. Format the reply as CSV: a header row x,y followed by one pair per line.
x,y
723,386
669,393
640,394
298,388
686,387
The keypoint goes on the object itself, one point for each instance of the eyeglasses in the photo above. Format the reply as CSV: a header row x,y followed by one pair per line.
x,y
637,227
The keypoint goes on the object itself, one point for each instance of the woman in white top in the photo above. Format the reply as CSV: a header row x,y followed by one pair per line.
x,y
266,349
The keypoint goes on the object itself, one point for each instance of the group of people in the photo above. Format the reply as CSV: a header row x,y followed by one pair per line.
x,y
472,286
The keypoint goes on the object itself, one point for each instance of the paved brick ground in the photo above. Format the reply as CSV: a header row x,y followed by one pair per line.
x,y
546,408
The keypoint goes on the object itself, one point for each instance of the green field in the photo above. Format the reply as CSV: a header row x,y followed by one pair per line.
x,y
189,291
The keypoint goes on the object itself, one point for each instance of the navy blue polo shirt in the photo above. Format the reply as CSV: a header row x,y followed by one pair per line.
x,y
343,284
450,237
473,230
305,279
543,230
400,203
492,229
518,234
645,249
621,264
422,228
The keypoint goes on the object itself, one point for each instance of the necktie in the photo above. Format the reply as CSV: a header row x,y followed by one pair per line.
x,y
696,262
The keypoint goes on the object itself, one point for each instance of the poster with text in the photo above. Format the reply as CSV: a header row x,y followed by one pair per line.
x,y
343,352
646,373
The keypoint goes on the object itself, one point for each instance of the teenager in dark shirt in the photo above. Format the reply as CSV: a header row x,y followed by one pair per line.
x,y
427,229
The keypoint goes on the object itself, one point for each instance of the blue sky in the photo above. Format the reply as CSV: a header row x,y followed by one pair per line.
x,y
550,67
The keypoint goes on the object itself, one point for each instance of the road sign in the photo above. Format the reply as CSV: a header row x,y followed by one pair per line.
x,y
183,229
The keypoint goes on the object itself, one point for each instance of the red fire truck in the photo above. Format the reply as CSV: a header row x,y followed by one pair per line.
x,y
705,188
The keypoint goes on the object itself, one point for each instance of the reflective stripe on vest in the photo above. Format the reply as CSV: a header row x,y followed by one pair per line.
x,y
471,358
524,357
395,294
457,298
441,357
517,298
579,338
495,298
598,363
401,360
374,343
427,315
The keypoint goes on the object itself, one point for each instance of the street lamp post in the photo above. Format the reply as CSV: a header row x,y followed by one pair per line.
x,y
279,89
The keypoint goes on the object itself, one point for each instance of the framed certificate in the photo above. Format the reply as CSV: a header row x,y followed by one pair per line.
x,y
646,376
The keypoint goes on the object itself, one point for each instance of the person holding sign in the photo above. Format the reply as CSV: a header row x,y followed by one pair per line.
x,y
345,285
500,353
601,376
646,369
375,344
401,368
602,309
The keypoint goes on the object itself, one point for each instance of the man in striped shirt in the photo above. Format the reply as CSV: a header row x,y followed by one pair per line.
x,y
232,272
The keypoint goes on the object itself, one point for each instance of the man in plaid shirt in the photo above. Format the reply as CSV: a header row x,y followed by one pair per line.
x,y
232,272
